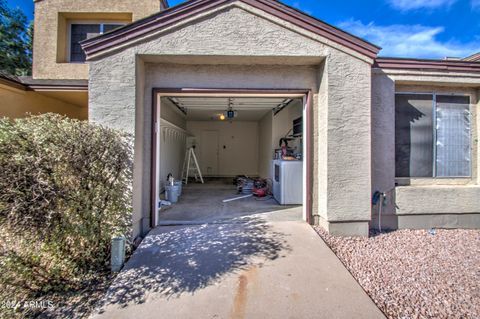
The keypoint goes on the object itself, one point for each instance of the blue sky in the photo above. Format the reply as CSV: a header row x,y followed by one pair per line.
x,y
403,28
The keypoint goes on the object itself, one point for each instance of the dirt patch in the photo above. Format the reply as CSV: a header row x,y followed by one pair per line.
x,y
416,273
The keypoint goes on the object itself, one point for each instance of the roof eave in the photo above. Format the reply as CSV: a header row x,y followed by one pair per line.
x,y
79,88
12,83
185,10
426,65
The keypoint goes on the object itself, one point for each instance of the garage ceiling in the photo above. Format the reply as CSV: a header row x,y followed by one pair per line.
x,y
210,108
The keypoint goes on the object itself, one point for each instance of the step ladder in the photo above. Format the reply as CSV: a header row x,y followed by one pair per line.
x,y
187,168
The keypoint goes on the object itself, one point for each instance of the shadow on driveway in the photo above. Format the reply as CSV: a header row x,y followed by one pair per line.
x,y
182,259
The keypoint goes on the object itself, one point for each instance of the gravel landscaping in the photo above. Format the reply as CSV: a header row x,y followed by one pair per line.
x,y
416,273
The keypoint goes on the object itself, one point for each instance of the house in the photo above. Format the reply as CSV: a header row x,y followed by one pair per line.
x,y
474,57
59,76
385,142
22,95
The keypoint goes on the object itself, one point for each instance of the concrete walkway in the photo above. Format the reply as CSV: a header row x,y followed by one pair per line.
x,y
261,266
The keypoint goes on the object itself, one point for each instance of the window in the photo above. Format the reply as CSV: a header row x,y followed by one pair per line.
x,y
432,135
80,32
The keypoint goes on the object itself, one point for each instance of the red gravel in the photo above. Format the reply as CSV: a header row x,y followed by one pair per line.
x,y
414,273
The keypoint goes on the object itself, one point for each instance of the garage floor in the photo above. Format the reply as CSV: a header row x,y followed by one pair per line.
x,y
202,203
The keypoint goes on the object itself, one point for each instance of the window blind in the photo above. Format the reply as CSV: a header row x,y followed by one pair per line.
x,y
414,135
453,136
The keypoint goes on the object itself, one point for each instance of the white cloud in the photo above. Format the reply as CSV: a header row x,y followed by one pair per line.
x,y
405,5
414,41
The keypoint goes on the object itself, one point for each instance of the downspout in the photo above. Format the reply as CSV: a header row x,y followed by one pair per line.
x,y
380,199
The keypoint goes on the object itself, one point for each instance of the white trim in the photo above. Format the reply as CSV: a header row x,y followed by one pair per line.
x,y
157,161
304,162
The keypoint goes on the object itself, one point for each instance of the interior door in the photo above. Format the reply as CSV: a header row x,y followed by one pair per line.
x,y
209,153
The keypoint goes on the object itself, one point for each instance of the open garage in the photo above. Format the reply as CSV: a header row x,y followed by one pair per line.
x,y
234,155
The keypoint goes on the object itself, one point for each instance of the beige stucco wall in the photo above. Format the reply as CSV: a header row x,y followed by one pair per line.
x,y
450,202
15,103
121,85
51,17
383,142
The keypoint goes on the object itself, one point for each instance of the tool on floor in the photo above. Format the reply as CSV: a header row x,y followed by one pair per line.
x,y
190,158
236,198
260,188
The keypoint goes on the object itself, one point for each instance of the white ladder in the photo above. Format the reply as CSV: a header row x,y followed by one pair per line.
x,y
189,158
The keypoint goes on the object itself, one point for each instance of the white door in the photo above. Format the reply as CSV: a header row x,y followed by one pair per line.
x,y
209,153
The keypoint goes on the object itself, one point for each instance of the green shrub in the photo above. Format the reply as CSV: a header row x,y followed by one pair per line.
x,y
65,190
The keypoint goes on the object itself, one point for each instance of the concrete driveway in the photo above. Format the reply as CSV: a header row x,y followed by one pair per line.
x,y
261,266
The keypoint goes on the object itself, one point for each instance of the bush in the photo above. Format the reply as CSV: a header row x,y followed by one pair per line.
x,y
65,190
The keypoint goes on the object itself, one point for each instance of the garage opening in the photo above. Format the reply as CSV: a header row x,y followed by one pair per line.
x,y
221,156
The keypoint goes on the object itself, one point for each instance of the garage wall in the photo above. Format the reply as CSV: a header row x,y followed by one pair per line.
x,y
271,129
172,142
237,149
283,123
170,113
265,143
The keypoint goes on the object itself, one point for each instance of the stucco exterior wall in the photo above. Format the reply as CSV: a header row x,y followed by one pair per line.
x,y
15,103
348,141
421,202
51,31
121,96
461,199
383,143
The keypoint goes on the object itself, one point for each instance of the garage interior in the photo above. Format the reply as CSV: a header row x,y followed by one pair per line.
x,y
249,154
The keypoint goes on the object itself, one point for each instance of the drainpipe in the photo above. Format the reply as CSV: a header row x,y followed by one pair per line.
x,y
380,199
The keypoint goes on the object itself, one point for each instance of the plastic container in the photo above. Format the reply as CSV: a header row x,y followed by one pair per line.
x,y
178,184
117,254
171,193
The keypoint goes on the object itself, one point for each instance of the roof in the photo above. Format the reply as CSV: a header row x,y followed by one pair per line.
x,y
38,84
165,2
11,80
474,57
168,17
28,83
427,65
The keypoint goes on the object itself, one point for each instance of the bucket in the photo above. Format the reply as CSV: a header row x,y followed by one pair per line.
x,y
178,184
171,193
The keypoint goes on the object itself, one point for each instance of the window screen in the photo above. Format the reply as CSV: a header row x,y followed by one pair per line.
x,y
80,32
414,135
453,136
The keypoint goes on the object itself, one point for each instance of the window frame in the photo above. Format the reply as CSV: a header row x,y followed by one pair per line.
x,y
434,95
102,23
